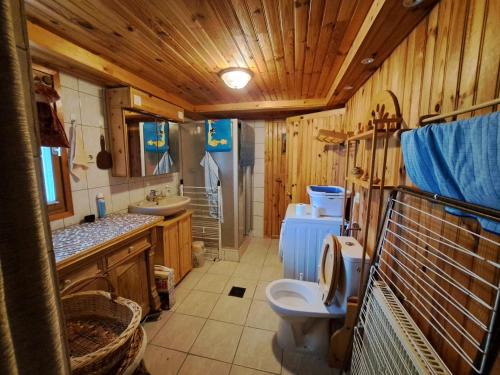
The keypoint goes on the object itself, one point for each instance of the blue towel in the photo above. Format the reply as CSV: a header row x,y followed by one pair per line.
x,y
458,160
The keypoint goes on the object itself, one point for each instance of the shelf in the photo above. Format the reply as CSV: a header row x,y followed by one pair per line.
x,y
332,137
365,184
369,134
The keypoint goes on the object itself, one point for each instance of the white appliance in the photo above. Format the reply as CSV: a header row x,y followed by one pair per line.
x,y
300,242
305,308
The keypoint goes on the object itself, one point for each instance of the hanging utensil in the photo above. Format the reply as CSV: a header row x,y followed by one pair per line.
x,y
104,160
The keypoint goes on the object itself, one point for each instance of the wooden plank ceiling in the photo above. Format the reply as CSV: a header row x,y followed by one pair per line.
x,y
295,48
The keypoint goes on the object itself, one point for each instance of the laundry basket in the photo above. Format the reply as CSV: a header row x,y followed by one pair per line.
x,y
329,199
99,327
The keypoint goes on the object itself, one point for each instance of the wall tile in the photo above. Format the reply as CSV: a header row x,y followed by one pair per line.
x,y
259,135
81,207
68,81
259,150
137,192
259,166
258,226
258,194
258,180
91,138
70,105
56,224
258,209
89,88
92,110
259,123
120,197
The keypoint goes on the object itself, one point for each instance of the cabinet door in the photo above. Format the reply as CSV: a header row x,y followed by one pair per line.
x,y
186,262
130,280
171,249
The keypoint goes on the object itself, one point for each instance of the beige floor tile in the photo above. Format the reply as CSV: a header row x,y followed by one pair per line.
x,y
191,279
273,259
258,349
248,284
179,332
161,361
231,310
305,364
247,271
254,257
223,268
262,316
263,242
194,365
217,340
270,273
212,283
206,266
238,370
198,303
153,327
181,292
260,290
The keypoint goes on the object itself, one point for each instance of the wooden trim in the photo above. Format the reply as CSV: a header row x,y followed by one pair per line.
x,y
332,112
54,44
275,105
368,23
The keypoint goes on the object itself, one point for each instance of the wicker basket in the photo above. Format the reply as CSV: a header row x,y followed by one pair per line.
x,y
100,328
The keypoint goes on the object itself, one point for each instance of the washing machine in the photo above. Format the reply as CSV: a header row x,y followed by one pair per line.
x,y
300,242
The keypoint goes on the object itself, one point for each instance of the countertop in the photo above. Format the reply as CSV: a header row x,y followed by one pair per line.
x,y
76,239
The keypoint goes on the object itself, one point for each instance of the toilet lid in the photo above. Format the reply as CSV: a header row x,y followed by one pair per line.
x,y
330,267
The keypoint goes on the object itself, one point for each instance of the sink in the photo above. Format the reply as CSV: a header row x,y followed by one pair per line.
x,y
162,207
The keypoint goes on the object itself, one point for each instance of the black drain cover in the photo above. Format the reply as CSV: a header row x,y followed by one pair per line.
x,y
236,291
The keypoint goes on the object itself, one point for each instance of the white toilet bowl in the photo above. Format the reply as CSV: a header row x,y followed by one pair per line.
x,y
305,308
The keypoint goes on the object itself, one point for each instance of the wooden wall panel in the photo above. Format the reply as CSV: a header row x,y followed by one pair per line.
x,y
450,61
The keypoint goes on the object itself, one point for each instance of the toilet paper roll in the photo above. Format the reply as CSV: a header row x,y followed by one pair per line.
x,y
300,209
315,211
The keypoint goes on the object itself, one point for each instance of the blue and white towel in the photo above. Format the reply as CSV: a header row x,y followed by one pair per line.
x,y
459,160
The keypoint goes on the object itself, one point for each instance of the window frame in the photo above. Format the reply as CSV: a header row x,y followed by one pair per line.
x,y
63,207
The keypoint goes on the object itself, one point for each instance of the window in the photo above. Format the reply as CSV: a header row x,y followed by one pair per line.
x,y
55,160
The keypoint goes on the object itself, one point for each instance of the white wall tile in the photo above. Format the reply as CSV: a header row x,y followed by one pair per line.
x,y
92,110
57,224
89,88
259,150
259,123
258,180
260,135
70,105
258,194
120,197
68,81
137,192
259,166
81,207
91,138
258,208
258,226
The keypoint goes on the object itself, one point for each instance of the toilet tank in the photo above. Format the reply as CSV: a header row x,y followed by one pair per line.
x,y
350,277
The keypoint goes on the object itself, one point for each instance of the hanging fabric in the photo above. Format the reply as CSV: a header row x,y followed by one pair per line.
x,y
52,132
211,183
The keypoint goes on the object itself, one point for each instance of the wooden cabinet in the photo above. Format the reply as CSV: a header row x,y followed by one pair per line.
x,y
175,238
125,261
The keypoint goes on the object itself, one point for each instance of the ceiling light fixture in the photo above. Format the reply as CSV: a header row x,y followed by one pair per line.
x,y
348,87
236,78
367,61
412,3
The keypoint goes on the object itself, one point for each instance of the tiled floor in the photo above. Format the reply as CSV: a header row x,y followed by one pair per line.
x,y
209,332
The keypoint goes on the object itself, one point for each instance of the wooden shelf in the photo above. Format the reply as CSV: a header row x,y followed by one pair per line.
x,y
365,184
332,137
369,134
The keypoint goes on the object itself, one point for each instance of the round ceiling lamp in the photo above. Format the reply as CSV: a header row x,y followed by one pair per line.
x,y
236,78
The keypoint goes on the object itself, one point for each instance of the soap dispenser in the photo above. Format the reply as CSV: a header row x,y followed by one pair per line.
x,y
101,205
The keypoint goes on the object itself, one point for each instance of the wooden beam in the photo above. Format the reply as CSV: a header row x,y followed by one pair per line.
x,y
275,105
367,25
57,47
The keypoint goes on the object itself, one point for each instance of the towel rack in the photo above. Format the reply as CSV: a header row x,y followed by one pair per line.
x,y
424,120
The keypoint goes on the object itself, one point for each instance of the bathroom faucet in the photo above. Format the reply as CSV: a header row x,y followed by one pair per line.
x,y
153,195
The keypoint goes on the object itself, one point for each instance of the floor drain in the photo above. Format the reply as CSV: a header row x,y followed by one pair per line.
x,y
236,291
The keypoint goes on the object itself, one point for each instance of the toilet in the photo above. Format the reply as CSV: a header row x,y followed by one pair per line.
x,y
305,307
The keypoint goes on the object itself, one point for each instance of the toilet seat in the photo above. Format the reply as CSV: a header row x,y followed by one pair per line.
x,y
330,266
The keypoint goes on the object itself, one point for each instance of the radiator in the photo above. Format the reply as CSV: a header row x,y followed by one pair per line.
x,y
386,340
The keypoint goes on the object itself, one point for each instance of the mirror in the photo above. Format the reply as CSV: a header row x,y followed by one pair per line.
x,y
153,144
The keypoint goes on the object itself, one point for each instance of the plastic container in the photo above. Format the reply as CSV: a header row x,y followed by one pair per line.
x,y
101,205
198,248
328,199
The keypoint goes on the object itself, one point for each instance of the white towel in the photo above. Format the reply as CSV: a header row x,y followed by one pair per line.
x,y
164,165
211,181
78,155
